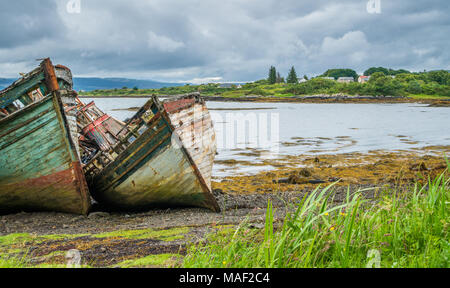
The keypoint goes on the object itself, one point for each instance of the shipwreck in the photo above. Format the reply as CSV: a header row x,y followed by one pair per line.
x,y
40,167
56,151
162,156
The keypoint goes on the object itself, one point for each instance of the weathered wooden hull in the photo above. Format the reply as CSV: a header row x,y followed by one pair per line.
x,y
156,169
39,162
193,124
39,167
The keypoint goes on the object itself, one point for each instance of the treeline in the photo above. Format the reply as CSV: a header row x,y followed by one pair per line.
x,y
428,83
385,71
274,76
383,81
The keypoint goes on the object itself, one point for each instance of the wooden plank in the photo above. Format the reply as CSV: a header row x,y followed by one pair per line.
x,y
16,92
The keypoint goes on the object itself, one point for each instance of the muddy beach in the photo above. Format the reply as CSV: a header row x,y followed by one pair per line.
x,y
161,236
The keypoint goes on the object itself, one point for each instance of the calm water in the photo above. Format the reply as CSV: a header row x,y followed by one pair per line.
x,y
297,128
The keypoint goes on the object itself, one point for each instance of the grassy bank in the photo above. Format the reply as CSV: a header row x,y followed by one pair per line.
x,y
129,248
404,229
280,90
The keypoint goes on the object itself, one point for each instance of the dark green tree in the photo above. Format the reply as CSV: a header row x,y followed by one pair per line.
x,y
376,76
272,75
380,84
279,78
372,70
400,71
292,77
441,77
336,73
414,87
385,71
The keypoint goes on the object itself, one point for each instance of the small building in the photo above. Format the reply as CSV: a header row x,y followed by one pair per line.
x,y
230,85
303,80
345,79
328,78
363,79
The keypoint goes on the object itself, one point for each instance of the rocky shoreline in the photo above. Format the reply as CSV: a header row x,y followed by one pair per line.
x,y
320,98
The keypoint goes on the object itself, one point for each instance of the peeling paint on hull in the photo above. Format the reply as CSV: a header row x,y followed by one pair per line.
x,y
39,164
167,179
193,124
154,171
39,167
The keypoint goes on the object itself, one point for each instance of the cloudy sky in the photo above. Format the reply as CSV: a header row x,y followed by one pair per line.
x,y
233,40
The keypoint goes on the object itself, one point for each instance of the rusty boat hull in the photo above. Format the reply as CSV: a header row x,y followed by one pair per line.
x,y
159,168
39,163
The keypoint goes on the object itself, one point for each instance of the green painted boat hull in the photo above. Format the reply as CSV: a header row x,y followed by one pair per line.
x,y
39,166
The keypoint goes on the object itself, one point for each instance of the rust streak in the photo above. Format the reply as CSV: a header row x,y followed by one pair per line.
x,y
50,75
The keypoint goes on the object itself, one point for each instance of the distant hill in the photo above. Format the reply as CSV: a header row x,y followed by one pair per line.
x,y
5,82
89,84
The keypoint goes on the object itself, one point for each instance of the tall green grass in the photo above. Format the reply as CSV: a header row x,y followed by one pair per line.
x,y
6,262
402,229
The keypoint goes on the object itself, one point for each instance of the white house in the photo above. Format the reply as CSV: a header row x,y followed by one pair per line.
x,y
345,79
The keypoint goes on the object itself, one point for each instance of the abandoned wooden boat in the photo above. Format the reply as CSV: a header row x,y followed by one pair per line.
x,y
162,156
40,168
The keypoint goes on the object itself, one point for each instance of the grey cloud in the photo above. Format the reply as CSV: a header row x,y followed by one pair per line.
x,y
178,40
24,22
